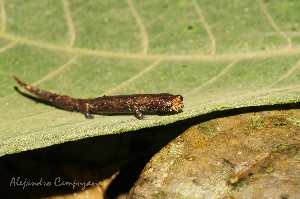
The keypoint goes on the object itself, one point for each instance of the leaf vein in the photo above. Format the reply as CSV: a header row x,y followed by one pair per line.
x,y
56,71
71,27
274,25
139,21
207,27
3,16
81,51
8,46
48,76
215,78
287,74
135,77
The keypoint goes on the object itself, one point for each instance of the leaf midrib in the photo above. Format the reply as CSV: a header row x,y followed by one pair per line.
x,y
141,56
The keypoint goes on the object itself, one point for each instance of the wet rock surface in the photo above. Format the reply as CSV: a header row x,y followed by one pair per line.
x,y
251,155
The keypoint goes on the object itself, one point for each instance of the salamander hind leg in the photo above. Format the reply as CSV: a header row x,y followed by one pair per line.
x,y
138,114
87,111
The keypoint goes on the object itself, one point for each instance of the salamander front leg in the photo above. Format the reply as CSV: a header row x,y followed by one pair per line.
x,y
87,111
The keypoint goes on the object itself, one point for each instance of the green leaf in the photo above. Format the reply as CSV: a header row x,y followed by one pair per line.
x,y
217,54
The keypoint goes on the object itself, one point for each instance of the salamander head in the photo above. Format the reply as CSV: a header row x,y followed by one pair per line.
x,y
177,103
171,103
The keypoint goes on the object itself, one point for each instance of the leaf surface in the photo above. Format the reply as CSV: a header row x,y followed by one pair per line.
x,y
218,55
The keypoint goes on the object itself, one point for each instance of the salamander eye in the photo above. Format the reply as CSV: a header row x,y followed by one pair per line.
x,y
168,107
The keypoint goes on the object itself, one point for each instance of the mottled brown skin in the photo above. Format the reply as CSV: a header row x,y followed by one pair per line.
x,y
138,104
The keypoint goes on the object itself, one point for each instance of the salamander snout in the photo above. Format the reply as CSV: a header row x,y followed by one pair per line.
x,y
177,103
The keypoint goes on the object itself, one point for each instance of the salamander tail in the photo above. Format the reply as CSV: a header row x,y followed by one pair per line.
x,y
26,86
